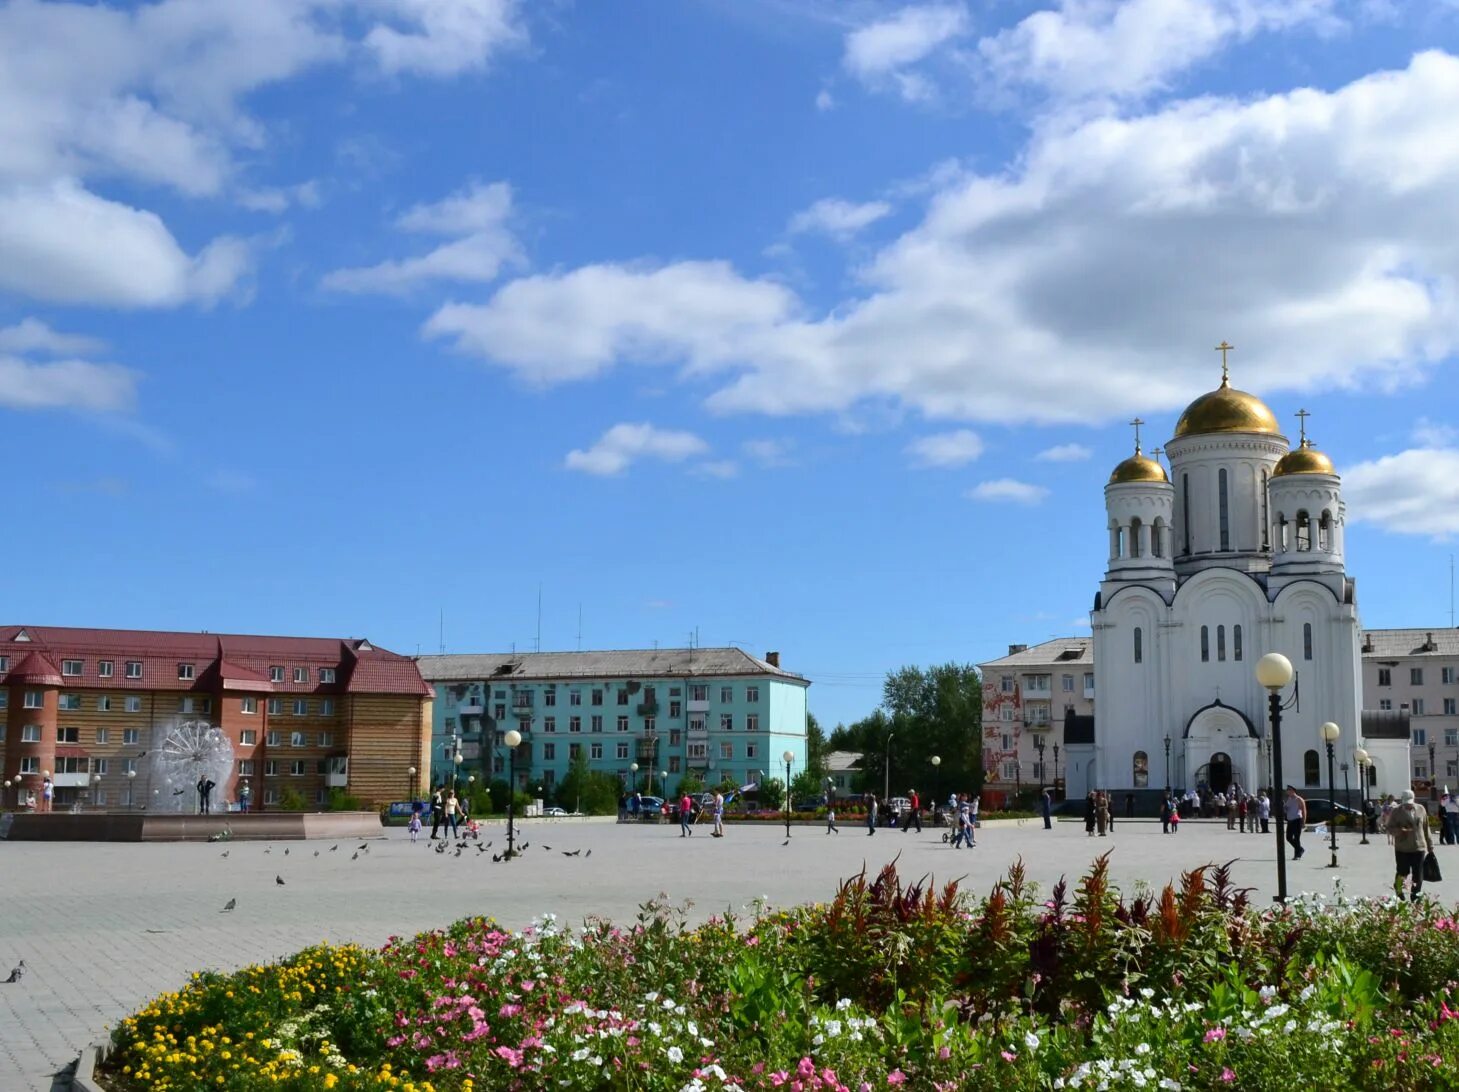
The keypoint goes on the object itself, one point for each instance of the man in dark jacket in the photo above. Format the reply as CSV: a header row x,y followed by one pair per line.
x,y
438,811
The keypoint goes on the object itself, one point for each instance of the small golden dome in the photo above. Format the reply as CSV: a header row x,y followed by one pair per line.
x,y
1138,468
1305,459
1226,409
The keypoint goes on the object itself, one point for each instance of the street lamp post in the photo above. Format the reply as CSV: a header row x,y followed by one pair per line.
x,y
1360,755
409,783
1433,774
1167,762
664,783
95,784
511,739
1039,745
886,789
1056,767
131,782
1330,732
633,769
788,755
1274,671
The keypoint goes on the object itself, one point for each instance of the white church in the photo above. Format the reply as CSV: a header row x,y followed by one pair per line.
x,y
1236,552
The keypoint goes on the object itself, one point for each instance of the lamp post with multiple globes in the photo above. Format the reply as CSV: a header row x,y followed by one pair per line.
x,y
1360,755
1330,733
1273,672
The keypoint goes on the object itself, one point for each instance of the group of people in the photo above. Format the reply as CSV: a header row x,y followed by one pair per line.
x,y
446,811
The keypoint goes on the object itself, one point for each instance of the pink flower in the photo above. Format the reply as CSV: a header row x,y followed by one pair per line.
x,y
944,1053
896,1076
779,1077
1008,1056
1215,1034
1226,1074
512,1057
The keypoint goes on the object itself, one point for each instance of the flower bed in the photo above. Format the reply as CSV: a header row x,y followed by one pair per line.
x,y
888,984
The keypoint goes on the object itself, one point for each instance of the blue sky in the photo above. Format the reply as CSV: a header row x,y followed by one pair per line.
x,y
807,325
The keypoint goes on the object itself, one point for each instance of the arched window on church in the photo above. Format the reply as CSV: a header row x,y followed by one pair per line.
x,y
1304,531
1236,643
1205,644
1157,538
1185,513
1142,770
1135,537
1225,509
1221,643
1311,774
1122,542
1324,532
1266,519
1282,539
1139,646
1372,776
1306,640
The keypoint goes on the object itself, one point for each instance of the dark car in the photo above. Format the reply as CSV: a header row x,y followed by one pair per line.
x,y
650,803
1318,811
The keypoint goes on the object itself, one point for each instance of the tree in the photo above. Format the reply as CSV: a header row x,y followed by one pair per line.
x,y
772,793
691,783
937,711
586,790
807,785
815,748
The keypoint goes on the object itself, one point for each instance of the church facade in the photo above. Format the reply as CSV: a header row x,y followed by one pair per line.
x,y
1237,551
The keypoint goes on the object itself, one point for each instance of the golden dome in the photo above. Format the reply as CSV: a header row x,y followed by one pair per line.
x,y
1226,409
1305,459
1138,468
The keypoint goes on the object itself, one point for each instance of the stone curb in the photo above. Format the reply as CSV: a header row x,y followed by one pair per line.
x,y
85,1079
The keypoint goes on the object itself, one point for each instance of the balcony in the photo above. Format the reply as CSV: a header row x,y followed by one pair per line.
x,y
471,710
698,706
648,709
647,748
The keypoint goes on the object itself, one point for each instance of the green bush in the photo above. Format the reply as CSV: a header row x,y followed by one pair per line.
x,y
291,799
341,800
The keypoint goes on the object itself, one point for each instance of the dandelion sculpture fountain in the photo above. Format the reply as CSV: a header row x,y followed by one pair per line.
x,y
184,754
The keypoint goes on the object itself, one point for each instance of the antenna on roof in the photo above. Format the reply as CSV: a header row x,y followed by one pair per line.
x,y
443,631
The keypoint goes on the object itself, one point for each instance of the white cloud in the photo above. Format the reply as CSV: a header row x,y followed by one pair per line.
x,y
824,100
1415,492
561,326
1064,453
281,198
1128,48
883,53
1007,490
65,384
770,454
443,37
1428,433
31,335
718,468
946,448
623,444
837,218
481,243
1075,286
64,244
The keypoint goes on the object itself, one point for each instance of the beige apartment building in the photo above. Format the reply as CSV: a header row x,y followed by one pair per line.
x,y
1027,696
1417,671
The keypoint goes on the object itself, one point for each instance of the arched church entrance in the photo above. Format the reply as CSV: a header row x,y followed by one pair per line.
x,y
1220,771
1221,747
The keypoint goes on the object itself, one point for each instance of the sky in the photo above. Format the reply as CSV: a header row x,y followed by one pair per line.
x,y
807,325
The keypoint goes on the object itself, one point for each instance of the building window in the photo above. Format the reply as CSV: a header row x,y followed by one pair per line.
x,y
1304,531
1310,774
1010,771
185,671
597,696
248,705
1418,707
326,674
301,707
574,751
245,767
726,695
1266,535
673,764
1185,513
30,733
574,724
99,765
650,725
676,709
549,752
104,668
271,768
752,694
549,724
597,723
1420,737
272,738
622,750
574,697
326,707
68,735
326,739
752,722
1385,703
301,674
131,736
4,699
1205,644
1416,676
1385,677
275,706
1446,676
298,739
595,751
1451,737
1067,682
622,696
500,712
248,737
275,673
1139,646
103,735
69,702
1306,640
1089,682
30,764
296,768
1236,643
726,722
1449,707
726,751
623,724
35,699
70,667
1420,769
699,692
1225,513
1221,643
185,705
549,695
134,669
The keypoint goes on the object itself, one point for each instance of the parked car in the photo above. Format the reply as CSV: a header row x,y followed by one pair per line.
x,y
1319,812
898,804
553,813
650,803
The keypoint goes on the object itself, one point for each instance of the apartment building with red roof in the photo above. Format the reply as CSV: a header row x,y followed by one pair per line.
x,y
94,708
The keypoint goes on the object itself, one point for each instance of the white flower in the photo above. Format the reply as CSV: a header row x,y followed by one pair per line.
x,y
1169,1085
1143,1048
1307,992
843,1004
1268,994
833,1027
1147,993
1031,1040
651,997
675,1055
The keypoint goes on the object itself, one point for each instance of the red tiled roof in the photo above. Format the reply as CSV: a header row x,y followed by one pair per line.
x,y
229,661
34,667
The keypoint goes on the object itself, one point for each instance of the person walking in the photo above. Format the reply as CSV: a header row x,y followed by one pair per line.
x,y
1046,806
1264,812
414,822
438,812
1296,812
1451,817
1091,813
1101,814
47,791
1409,825
831,827
870,814
718,806
914,812
1165,809
244,795
1175,815
686,816
453,810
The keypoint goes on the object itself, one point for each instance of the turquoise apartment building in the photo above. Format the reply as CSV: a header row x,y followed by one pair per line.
x,y
719,712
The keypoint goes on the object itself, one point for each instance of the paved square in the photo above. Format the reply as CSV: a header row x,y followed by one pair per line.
x,y
104,927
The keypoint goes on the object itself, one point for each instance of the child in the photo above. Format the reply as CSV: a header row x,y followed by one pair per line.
x,y
1175,818
414,820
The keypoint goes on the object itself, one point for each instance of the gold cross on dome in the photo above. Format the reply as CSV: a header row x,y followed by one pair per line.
x,y
1155,451
1137,422
1302,416
1224,348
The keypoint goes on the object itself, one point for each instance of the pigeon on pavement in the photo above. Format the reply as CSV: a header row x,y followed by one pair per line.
x,y
229,905
279,880
18,973
225,853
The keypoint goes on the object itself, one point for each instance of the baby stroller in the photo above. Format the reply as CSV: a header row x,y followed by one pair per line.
x,y
471,829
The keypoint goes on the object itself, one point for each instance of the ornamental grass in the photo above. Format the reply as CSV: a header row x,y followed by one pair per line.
x,y
890,983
